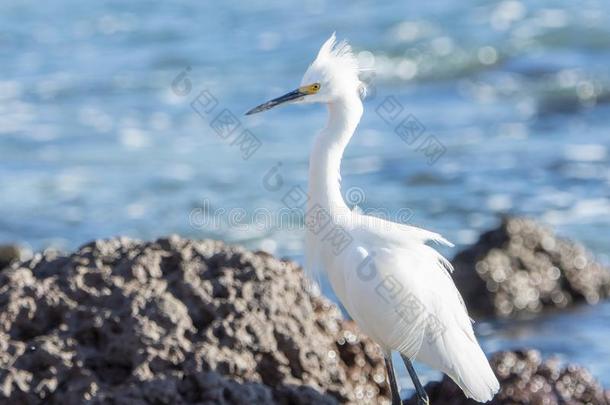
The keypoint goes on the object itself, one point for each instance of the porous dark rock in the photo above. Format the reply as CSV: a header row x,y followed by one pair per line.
x,y
521,267
176,321
526,379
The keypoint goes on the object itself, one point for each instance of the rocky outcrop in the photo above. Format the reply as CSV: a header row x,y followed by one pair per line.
x,y
522,267
526,379
176,322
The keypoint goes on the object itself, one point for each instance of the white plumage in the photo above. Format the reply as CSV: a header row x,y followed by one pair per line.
x,y
395,286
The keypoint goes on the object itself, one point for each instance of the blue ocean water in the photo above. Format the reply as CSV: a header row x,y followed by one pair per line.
x,y
108,109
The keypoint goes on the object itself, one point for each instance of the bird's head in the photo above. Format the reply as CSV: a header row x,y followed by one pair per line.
x,y
333,74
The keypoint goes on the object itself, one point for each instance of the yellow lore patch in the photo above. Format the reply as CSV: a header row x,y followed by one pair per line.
x,y
310,89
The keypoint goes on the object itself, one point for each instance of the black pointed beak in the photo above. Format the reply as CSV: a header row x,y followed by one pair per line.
x,y
293,95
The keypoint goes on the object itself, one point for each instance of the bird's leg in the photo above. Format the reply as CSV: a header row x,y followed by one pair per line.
x,y
392,381
422,397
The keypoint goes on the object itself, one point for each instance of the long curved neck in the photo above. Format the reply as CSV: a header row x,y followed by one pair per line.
x,y
325,160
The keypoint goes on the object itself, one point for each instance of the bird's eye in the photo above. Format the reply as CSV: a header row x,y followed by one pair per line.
x,y
316,86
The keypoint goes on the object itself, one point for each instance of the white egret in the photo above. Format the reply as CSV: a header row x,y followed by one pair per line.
x,y
395,286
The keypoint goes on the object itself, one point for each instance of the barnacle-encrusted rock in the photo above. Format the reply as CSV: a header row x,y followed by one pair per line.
x,y
526,379
176,322
522,267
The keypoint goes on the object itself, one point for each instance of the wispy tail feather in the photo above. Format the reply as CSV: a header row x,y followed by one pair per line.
x,y
473,373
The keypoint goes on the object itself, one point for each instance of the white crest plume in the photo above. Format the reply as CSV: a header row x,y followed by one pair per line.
x,y
335,63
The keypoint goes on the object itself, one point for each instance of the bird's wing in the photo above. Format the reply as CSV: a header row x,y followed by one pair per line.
x,y
407,238
443,336
411,288
382,298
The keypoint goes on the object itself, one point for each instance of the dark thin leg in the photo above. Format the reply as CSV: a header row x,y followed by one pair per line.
x,y
422,397
389,367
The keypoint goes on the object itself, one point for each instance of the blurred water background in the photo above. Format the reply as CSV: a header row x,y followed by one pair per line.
x,y
95,141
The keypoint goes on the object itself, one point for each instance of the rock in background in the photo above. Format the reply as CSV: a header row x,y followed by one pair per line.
x,y
175,322
522,267
526,379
